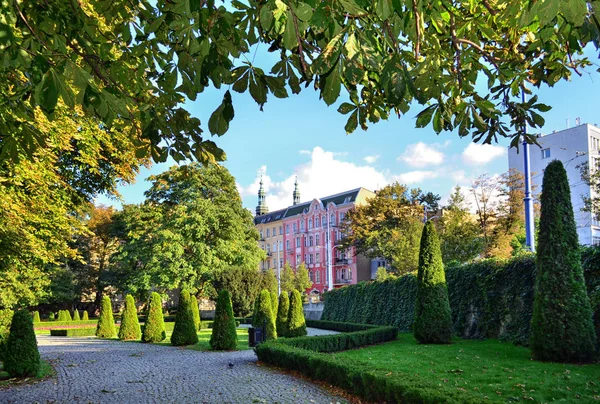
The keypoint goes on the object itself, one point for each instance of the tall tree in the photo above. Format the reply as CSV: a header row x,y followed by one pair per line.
x,y
388,56
562,329
485,194
302,281
591,176
287,278
389,226
191,226
459,233
244,285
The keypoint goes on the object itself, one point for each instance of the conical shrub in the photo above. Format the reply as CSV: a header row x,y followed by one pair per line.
x,y
296,322
195,311
274,304
154,327
76,316
51,316
561,326
185,330
282,314
264,313
85,315
36,317
224,334
21,355
433,318
130,326
67,315
106,322
61,315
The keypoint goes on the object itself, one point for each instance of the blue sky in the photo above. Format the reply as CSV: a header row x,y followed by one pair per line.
x,y
301,136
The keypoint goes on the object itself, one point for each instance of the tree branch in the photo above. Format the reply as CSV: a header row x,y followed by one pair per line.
x,y
485,54
418,29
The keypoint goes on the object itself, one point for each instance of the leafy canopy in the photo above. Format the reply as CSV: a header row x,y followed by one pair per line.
x,y
131,64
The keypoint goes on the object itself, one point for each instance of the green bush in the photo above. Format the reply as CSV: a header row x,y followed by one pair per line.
x,y
274,303
562,326
36,317
243,284
67,315
76,315
264,313
433,319
339,326
55,324
296,323
51,316
195,311
106,321
6,316
61,316
73,332
154,326
346,340
282,314
130,326
21,355
85,316
185,329
224,334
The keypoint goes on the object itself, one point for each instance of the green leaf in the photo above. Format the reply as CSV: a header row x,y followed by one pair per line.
x,y
333,86
574,11
65,90
266,18
6,35
547,10
258,88
329,56
384,9
352,122
46,93
346,107
218,124
289,35
352,7
304,12
542,107
424,117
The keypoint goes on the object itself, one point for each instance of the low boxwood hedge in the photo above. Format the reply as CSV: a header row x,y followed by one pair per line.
x,y
55,324
73,332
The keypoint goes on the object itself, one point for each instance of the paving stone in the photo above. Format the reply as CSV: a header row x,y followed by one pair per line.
x,y
91,370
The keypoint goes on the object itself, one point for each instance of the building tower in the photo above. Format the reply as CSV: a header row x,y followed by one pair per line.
x,y
261,208
296,192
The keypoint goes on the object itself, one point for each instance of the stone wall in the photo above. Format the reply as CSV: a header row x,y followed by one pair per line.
x,y
313,311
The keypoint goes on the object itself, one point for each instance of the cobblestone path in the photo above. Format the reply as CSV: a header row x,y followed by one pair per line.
x,y
91,370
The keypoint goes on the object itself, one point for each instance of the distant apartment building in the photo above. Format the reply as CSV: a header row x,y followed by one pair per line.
x,y
308,233
573,147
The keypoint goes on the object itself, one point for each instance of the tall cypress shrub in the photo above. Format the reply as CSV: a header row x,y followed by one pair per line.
x,y
195,311
130,325
76,315
263,312
561,326
282,314
185,330
85,315
51,316
61,316
224,334
21,355
106,322
296,322
67,315
274,303
433,319
36,317
154,327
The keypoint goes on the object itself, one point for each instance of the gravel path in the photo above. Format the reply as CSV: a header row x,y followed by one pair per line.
x,y
91,370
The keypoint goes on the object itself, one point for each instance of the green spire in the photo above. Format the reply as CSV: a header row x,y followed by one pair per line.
x,y
261,208
296,192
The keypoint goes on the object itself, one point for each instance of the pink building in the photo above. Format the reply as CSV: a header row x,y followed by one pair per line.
x,y
311,234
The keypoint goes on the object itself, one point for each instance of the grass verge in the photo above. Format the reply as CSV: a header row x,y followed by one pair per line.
x,y
46,371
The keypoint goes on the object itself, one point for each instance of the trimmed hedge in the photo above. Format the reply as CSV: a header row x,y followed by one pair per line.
x,y
130,326
36,317
283,308
106,323
21,355
185,329
296,325
85,316
73,332
54,324
76,316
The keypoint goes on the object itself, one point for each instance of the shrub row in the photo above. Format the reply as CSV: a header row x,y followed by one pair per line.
x,y
375,386
46,324
339,326
344,341
73,332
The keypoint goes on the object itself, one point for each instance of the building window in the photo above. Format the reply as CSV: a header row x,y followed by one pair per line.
x,y
297,259
332,219
305,258
295,227
305,241
343,274
317,259
268,264
324,221
310,241
310,223
287,229
595,143
595,240
317,239
545,153
287,244
261,235
268,248
310,259
318,276
302,225
274,231
349,273
342,216
275,247
311,275
280,230
297,242
317,221
280,262
268,232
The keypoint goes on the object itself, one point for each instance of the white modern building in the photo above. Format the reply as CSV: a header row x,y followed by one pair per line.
x,y
573,146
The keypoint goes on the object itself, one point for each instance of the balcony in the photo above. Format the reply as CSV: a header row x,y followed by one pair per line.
x,y
342,281
343,261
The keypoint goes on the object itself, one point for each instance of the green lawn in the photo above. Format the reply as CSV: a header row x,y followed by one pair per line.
x,y
45,371
204,338
484,370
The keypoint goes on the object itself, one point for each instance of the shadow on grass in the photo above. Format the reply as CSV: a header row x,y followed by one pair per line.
x,y
46,371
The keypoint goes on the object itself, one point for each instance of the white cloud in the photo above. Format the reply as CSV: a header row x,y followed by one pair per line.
x,y
371,159
422,155
323,175
477,154
414,177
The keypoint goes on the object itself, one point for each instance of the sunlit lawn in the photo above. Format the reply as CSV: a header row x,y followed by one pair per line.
x,y
45,371
483,370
